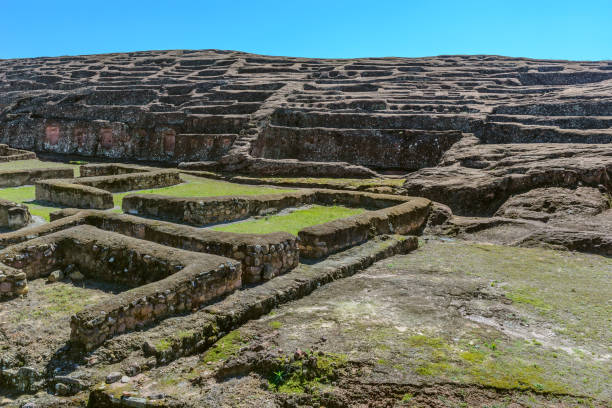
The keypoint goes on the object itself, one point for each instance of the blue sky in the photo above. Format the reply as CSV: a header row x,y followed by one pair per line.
x,y
578,29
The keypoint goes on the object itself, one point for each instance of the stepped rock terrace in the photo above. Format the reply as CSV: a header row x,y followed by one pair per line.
x,y
217,228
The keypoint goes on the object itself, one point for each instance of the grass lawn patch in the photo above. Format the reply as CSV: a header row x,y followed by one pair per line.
x,y
36,164
27,196
193,187
202,187
292,222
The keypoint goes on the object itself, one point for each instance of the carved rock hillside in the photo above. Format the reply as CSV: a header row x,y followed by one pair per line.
x,y
470,130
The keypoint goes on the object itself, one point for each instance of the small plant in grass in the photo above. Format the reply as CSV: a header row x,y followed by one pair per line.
x,y
275,324
308,372
278,377
407,397
163,345
225,347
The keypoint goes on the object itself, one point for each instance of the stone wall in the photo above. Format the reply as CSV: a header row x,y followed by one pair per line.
x,y
321,240
518,133
95,192
133,181
382,149
16,178
67,193
359,199
111,169
166,281
212,210
13,215
13,282
8,154
263,256
202,211
391,214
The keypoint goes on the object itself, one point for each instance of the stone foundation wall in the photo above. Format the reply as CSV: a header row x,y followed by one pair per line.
x,y
16,178
8,154
95,192
263,256
391,214
13,282
321,240
212,210
36,258
112,169
13,215
67,193
134,181
166,281
359,199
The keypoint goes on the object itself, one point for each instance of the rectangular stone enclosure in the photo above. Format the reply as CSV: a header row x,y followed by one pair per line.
x,y
165,281
96,192
388,214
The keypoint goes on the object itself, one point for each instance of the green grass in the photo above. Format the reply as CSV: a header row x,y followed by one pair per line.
x,y
35,164
26,195
193,187
201,187
225,347
163,345
294,378
292,222
275,324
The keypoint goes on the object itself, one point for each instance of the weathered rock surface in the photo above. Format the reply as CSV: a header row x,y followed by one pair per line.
x,y
544,204
519,150
286,116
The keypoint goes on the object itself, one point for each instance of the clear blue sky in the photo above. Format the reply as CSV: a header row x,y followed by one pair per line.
x,y
560,29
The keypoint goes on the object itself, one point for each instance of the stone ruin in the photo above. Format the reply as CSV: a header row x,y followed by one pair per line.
x,y
170,268
284,116
8,154
510,144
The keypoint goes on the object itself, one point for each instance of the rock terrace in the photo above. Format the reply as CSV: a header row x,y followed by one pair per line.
x,y
502,165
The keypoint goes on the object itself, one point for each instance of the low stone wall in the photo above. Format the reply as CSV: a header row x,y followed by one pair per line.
x,y
263,256
13,282
16,178
36,258
13,215
212,210
112,169
391,214
67,193
8,154
95,192
60,223
203,211
133,181
359,199
321,240
166,281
